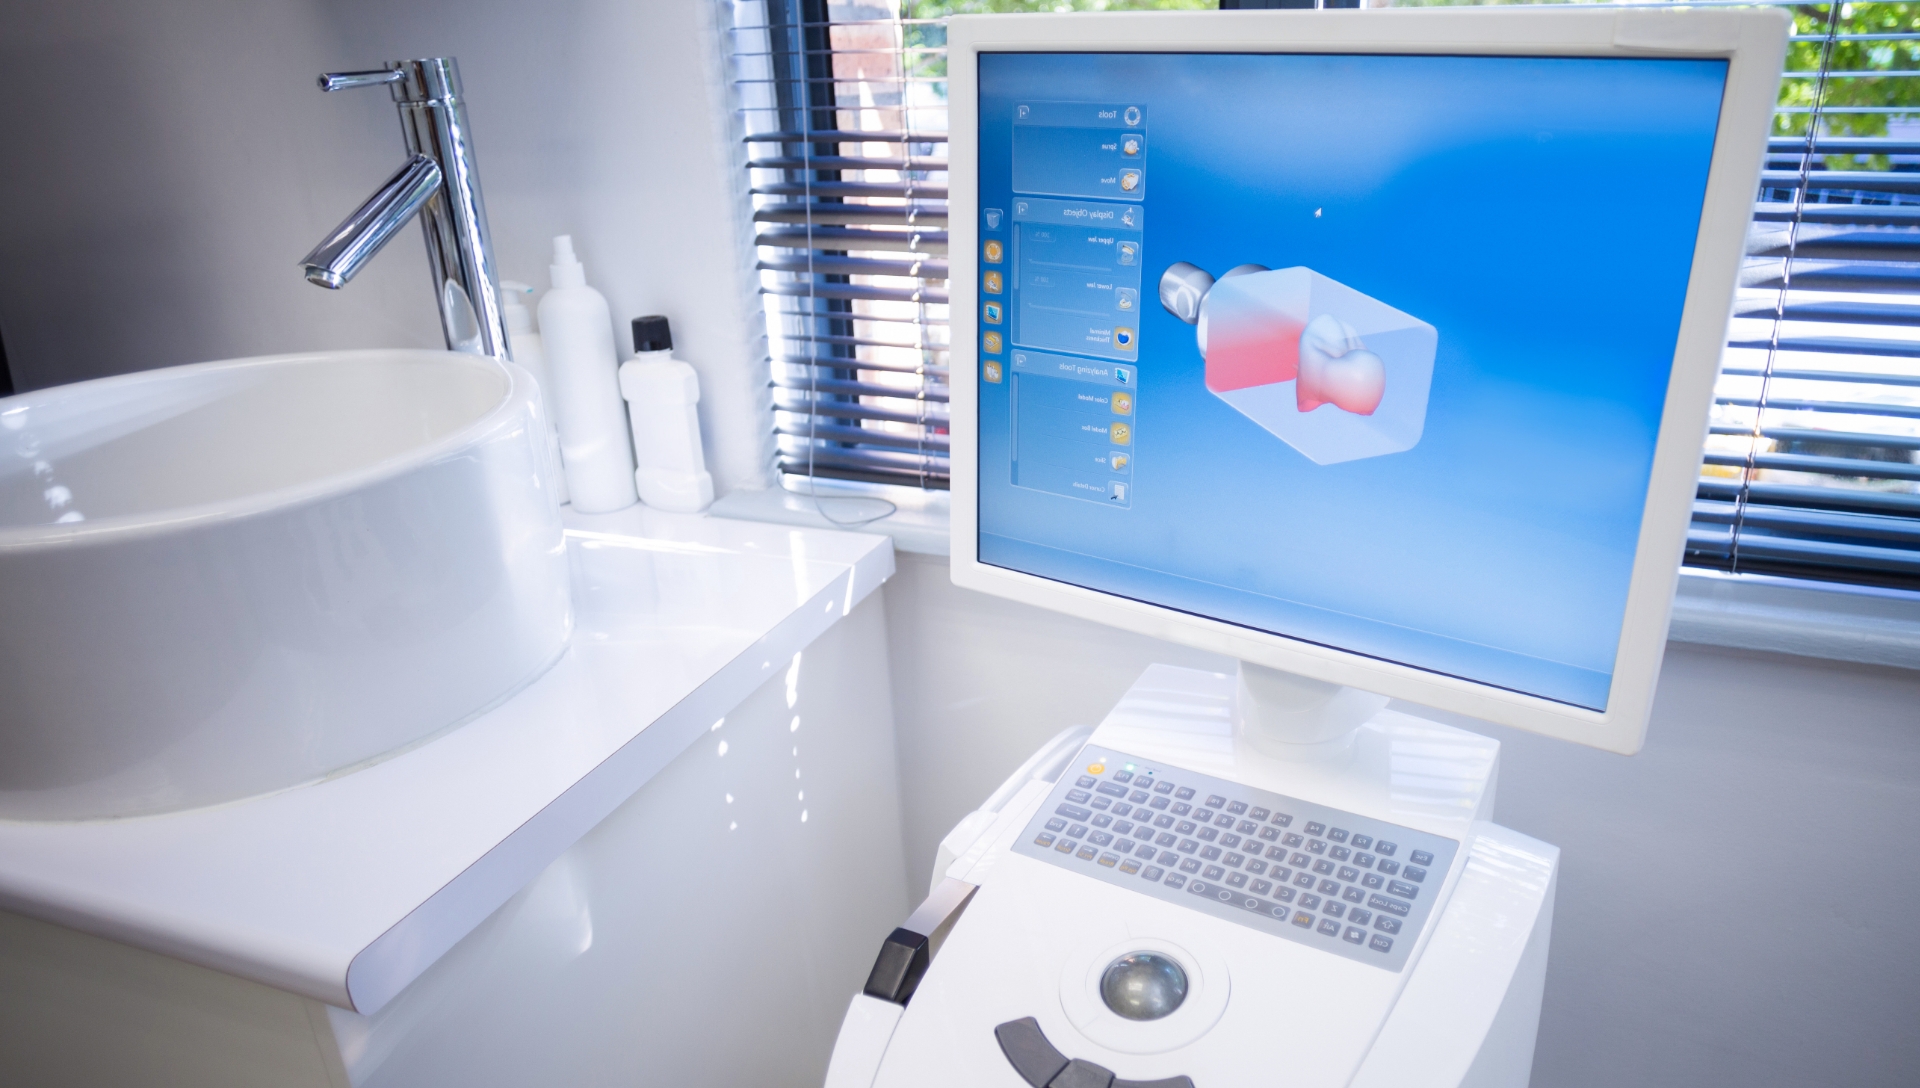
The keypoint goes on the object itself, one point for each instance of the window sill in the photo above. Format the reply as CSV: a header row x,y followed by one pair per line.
x,y
1750,612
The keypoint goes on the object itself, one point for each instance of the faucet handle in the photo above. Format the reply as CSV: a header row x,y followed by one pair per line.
x,y
345,81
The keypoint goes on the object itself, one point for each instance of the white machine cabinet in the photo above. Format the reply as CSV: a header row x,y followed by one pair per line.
x,y
1348,915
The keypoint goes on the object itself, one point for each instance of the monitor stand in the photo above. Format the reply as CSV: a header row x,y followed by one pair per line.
x,y
1289,716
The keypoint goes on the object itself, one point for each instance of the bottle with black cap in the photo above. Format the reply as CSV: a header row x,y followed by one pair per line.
x,y
662,395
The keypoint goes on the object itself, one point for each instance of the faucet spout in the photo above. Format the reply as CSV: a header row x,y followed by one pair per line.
x,y
440,186
361,235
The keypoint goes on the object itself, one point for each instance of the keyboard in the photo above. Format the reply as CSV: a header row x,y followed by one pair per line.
x,y
1346,884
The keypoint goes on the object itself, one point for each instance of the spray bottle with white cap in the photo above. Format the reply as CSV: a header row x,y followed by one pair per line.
x,y
577,334
523,340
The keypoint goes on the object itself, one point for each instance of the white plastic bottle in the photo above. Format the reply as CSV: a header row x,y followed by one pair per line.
x,y
523,342
661,394
577,335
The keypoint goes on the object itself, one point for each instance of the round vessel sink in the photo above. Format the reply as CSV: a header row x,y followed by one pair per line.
x,y
229,578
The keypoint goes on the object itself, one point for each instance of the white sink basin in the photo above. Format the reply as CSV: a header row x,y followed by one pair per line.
x,y
229,578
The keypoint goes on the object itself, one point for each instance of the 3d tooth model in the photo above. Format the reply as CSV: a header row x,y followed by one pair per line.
x,y
1329,371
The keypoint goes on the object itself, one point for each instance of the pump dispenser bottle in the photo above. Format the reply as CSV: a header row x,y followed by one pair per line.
x,y
577,334
661,394
524,344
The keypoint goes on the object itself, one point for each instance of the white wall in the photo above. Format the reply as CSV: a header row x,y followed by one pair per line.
x,y
1735,903
168,165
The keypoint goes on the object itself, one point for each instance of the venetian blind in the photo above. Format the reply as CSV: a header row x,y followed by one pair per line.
x,y
843,109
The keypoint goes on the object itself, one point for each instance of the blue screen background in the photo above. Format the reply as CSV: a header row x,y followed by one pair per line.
x,y
1541,213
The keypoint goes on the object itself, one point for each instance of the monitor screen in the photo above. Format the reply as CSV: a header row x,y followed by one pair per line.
x,y
1368,351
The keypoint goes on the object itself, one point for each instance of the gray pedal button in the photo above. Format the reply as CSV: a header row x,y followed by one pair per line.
x,y
1029,1052
1081,1073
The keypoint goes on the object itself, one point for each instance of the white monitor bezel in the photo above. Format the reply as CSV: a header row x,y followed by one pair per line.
x,y
1752,40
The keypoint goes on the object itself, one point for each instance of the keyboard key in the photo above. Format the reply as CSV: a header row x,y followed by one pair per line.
x,y
1144,850
1109,860
1258,813
1354,895
1236,880
1388,867
1281,818
1072,812
1214,872
1381,944
1163,787
1160,803
1086,853
1339,853
1260,887
1185,828
1323,866
1283,894
1101,803
1101,820
1299,861
1086,781
1215,801
1187,846
1112,789
1078,797
1247,827
1303,919
1316,846
1078,831
1403,889
1256,866
1338,834
1359,917
1329,927
1211,853
1374,880
1044,839
1303,880
1138,796
1349,874
1234,861
1124,827
1388,906
1066,846
1365,861
1207,834
1271,834
1310,901
1123,776
1185,793
1329,887
1165,838
1163,821
1223,820
1100,838
1168,857
1316,828
1175,880
1333,908
1180,808
1129,866
1230,841
1420,857
1386,925
1362,842
1292,839
1414,874
1189,865
1143,832
1152,872
1056,824
1237,807
1385,849
1354,935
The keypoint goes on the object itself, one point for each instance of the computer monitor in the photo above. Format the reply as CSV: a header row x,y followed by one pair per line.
x,y
1375,347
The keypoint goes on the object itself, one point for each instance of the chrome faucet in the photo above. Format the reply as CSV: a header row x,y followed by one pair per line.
x,y
441,183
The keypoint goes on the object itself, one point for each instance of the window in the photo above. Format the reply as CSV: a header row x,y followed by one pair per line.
x,y
1812,467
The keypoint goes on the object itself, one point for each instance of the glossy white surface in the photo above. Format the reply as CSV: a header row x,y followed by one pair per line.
x,y
229,578
346,890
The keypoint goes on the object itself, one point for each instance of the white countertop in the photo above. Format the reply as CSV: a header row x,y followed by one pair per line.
x,y
345,890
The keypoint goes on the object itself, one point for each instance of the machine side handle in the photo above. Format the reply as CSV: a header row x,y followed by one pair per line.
x,y
908,950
